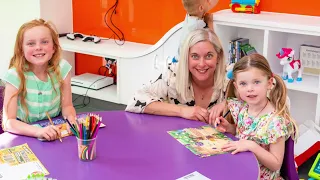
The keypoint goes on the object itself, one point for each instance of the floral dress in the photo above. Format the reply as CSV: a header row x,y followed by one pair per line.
x,y
262,130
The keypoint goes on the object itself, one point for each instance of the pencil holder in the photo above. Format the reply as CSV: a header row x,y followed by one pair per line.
x,y
87,149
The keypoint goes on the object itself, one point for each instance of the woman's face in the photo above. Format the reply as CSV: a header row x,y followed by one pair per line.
x,y
202,61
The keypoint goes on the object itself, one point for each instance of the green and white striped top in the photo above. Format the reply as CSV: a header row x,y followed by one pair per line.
x,y
40,97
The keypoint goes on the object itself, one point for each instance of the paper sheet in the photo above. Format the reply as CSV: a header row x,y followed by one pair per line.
x,y
18,162
194,176
20,171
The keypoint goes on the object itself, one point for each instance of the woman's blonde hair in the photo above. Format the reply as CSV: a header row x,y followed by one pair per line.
x,y
278,94
19,62
183,75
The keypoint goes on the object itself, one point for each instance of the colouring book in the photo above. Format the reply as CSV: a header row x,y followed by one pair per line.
x,y
203,141
61,123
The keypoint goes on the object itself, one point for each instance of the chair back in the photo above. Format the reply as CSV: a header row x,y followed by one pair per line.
x,y
288,169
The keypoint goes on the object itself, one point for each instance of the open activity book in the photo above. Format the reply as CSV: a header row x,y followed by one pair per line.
x,y
203,141
60,122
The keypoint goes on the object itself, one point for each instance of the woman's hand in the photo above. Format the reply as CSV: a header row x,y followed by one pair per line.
x,y
239,146
216,111
196,113
49,133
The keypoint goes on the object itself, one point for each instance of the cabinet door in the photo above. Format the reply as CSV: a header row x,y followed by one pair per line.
x,y
171,47
133,73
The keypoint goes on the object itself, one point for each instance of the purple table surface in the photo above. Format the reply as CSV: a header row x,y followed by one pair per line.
x,y
136,147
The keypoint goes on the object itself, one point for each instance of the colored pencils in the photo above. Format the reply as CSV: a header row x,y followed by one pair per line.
x,y
226,114
86,127
86,130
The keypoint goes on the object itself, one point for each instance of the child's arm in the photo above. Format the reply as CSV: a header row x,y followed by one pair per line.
x,y
11,124
9,121
231,129
273,158
68,110
208,18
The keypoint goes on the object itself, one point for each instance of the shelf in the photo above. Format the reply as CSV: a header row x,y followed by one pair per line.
x,y
271,21
308,84
227,33
105,48
107,94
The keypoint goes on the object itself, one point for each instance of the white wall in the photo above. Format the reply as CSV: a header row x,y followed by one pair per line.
x,y
59,12
13,13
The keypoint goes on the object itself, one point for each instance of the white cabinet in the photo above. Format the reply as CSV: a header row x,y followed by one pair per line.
x,y
268,32
137,63
171,46
135,72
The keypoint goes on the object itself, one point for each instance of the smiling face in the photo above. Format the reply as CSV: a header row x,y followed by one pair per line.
x,y
252,86
202,61
38,46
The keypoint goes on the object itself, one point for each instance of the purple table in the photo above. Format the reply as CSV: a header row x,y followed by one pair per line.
x,y
136,147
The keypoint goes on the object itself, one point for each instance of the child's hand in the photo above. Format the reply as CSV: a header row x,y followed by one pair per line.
x,y
208,18
49,133
221,124
238,146
196,113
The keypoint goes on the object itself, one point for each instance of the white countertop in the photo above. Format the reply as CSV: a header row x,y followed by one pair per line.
x,y
108,48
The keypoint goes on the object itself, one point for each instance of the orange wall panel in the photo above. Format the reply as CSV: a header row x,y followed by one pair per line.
x,y
147,21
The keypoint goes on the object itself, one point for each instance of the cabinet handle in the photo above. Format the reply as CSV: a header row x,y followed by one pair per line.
x,y
155,62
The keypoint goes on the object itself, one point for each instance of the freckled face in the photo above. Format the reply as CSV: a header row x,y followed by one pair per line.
x,y
38,45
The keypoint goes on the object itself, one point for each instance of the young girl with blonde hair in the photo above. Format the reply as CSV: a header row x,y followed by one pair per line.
x,y
261,115
37,82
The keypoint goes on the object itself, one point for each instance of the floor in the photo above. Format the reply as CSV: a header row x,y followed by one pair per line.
x,y
98,105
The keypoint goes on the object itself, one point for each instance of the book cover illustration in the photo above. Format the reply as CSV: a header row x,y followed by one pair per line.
x,y
203,141
18,162
61,124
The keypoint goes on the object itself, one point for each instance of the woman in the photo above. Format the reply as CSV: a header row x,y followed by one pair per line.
x,y
191,88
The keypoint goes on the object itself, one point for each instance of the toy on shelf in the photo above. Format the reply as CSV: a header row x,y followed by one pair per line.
x,y
111,71
290,65
246,6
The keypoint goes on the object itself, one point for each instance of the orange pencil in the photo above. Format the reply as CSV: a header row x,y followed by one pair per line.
x,y
53,125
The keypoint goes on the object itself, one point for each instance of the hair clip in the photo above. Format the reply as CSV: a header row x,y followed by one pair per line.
x,y
230,74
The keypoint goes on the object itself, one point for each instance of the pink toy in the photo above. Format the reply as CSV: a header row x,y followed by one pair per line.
x,y
290,65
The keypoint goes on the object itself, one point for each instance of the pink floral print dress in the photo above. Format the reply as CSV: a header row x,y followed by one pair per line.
x,y
262,130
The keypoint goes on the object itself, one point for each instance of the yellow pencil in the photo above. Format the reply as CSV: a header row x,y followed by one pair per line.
x,y
53,125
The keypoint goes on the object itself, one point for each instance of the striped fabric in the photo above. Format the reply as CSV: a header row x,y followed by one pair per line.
x,y
41,96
